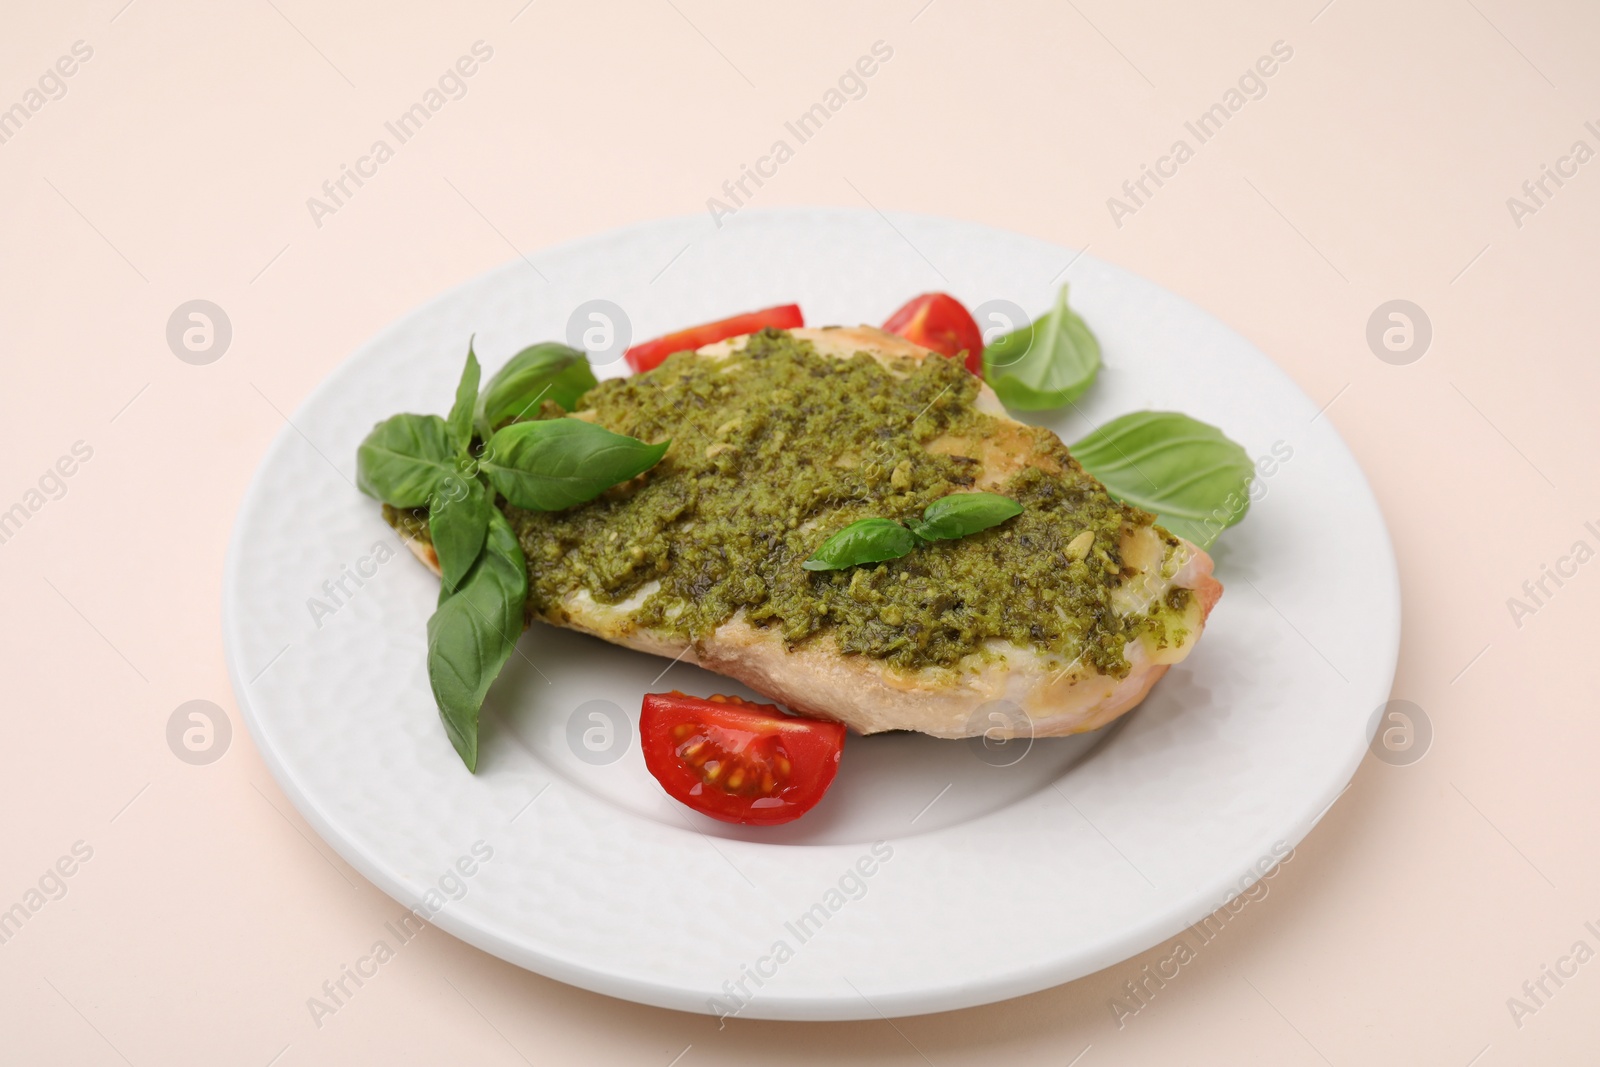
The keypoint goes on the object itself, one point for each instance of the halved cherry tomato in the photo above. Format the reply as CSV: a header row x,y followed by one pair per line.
x,y
941,322
649,354
738,761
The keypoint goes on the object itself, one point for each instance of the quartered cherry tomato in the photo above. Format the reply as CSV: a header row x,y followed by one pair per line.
x,y
738,761
941,322
649,354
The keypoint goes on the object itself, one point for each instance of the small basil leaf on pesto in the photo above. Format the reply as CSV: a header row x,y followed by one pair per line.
x,y
1187,473
473,632
1046,364
864,541
556,463
547,371
960,514
458,521
460,417
405,460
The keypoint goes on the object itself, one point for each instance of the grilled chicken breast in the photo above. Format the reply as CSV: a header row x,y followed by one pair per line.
x,y
1100,615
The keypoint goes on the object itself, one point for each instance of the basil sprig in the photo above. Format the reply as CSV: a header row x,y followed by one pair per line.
x,y
1048,363
454,467
946,519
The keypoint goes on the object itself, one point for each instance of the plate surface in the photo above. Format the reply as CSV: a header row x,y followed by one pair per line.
x,y
935,874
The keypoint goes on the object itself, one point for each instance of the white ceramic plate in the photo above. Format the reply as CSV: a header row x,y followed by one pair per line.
x,y
933,879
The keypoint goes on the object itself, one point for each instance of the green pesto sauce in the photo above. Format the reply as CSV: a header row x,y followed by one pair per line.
x,y
774,449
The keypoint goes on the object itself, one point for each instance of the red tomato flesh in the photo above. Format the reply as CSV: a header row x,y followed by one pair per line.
x,y
649,354
738,761
941,322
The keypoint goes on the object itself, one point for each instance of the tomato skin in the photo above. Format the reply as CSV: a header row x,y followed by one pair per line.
x,y
941,322
648,355
738,761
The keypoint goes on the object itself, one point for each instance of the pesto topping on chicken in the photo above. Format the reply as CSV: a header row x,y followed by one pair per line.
x,y
774,449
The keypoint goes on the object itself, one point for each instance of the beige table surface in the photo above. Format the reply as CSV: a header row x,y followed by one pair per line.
x,y
175,164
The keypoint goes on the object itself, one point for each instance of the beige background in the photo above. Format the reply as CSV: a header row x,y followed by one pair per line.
x,y
177,166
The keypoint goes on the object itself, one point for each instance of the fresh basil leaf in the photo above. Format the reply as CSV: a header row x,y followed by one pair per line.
x,y
458,521
864,541
1045,364
405,460
960,514
1187,473
473,632
568,387
556,463
547,371
460,420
